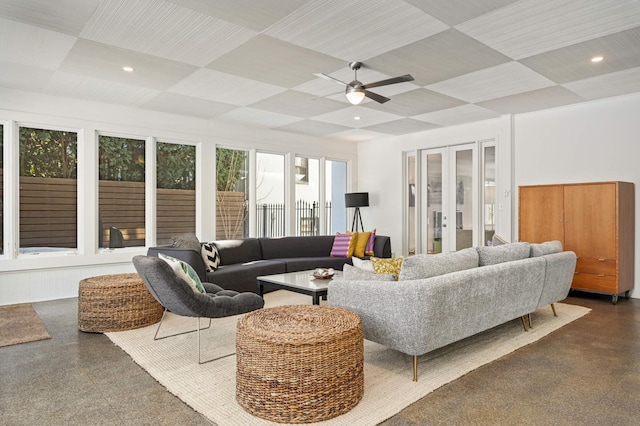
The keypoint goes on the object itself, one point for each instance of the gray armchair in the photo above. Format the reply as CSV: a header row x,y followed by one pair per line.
x,y
176,296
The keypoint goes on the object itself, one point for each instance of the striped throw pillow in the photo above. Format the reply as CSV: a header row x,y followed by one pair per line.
x,y
368,250
343,245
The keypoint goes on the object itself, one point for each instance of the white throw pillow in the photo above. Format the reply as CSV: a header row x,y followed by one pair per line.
x,y
210,256
365,265
185,271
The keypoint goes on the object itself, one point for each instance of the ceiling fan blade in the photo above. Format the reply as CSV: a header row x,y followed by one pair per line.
x,y
328,77
393,80
378,98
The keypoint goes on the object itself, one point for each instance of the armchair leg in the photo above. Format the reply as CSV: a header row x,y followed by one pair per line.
x,y
524,323
415,368
553,308
200,361
155,337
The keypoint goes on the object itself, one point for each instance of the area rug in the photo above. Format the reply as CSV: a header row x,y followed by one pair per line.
x,y
210,388
20,324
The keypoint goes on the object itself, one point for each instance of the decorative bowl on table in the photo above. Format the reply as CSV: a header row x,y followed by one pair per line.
x,y
323,273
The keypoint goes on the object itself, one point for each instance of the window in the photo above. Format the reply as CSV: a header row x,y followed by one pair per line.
x,y
1,189
270,208
489,192
48,190
336,187
176,190
121,192
307,196
232,194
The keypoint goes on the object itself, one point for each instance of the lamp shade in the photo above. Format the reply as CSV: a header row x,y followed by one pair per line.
x,y
356,199
355,95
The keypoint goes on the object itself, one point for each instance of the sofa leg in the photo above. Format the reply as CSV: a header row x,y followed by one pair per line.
x,y
415,368
524,323
553,308
530,321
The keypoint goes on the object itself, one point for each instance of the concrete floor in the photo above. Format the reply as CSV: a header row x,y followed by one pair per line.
x,y
586,373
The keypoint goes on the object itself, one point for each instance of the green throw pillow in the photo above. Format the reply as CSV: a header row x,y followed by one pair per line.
x,y
184,271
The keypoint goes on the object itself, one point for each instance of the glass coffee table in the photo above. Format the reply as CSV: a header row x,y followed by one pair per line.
x,y
300,282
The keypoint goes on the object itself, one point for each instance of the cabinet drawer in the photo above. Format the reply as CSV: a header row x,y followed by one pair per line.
x,y
595,282
596,266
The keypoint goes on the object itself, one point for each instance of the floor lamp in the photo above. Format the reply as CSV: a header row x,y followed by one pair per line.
x,y
357,200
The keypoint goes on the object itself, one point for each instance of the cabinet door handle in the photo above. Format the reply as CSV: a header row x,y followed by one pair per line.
x,y
601,275
600,260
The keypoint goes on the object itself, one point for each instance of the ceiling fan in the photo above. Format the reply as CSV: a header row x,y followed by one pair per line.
x,y
356,91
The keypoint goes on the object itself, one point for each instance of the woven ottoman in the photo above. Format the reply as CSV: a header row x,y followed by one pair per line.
x,y
299,364
116,303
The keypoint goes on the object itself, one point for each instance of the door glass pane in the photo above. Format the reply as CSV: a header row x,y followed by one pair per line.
x,y
307,175
270,209
464,197
434,203
48,190
176,190
411,208
232,194
121,191
489,173
336,187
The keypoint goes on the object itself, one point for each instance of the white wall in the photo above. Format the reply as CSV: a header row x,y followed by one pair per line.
x,y
45,277
592,142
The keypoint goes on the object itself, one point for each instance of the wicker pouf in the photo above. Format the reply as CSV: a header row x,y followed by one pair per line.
x,y
299,364
116,303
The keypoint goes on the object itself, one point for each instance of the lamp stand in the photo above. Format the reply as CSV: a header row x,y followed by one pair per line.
x,y
356,217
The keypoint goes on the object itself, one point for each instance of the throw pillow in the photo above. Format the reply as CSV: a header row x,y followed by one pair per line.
x,y
361,240
343,245
368,251
352,273
189,241
497,240
365,265
548,247
185,271
431,265
504,253
387,265
210,256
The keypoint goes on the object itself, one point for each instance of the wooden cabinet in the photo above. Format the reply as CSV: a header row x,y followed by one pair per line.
x,y
595,220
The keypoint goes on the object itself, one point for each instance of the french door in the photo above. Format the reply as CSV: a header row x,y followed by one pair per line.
x,y
448,210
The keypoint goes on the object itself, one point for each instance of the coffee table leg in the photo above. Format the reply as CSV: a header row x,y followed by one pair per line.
x,y
316,299
260,289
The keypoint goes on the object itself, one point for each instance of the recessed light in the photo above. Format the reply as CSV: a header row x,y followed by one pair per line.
x,y
127,69
356,118
596,59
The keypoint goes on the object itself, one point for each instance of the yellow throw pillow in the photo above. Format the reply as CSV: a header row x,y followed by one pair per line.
x,y
387,265
361,242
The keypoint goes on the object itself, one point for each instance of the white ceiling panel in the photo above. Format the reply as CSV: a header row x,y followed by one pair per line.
x,y
359,135
531,27
226,88
549,97
347,117
298,104
454,12
457,115
313,128
65,16
604,86
164,29
33,46
105,62
416,102
252,14
402,127
22,77
187,105
274,61
355,30
258,117
495,82
76,86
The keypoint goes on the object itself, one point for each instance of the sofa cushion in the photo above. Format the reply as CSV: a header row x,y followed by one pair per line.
x,y
549,247
503,253
343,245
364,264
431,265
355,274
242,276
361,241
286,247
497,240
295,264
238,251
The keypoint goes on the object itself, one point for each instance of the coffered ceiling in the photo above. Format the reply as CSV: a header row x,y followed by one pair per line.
x,y
253,62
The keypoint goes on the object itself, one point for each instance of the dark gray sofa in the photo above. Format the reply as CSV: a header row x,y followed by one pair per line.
x,y
242,261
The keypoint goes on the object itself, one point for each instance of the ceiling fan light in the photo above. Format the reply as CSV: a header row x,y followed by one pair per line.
x,y
355,95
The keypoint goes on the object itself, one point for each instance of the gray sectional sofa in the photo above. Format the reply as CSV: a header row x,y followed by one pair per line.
x,y
440,299
242,261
